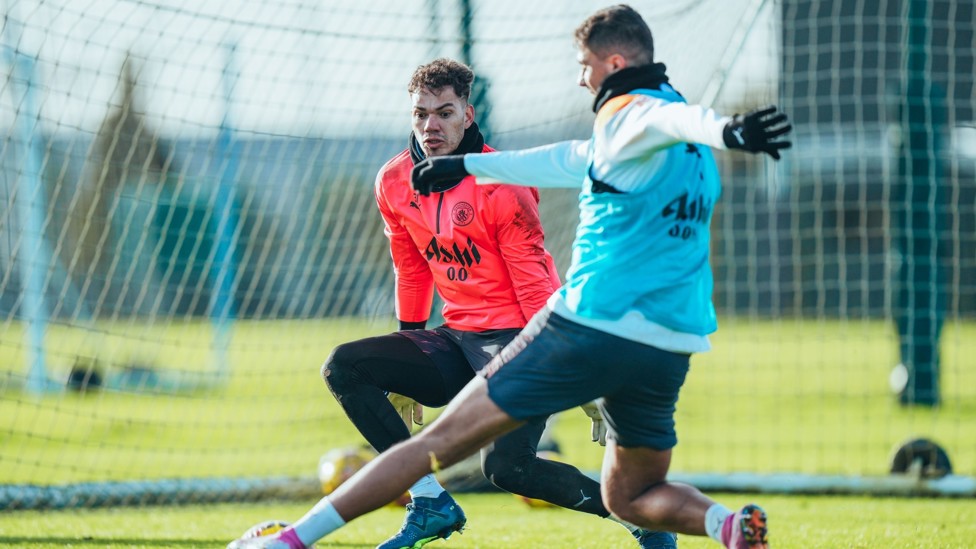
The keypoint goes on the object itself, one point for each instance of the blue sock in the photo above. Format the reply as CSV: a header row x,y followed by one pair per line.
x,y
319,522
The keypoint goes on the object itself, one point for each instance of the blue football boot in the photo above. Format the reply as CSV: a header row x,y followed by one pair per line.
x,y
656,540
427,519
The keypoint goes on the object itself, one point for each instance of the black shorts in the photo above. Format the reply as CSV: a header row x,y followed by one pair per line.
x,y
443,343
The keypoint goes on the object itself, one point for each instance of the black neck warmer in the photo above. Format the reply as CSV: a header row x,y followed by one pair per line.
x,y
626,80
472,142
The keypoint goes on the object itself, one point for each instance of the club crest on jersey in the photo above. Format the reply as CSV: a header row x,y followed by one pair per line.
x,y
462,214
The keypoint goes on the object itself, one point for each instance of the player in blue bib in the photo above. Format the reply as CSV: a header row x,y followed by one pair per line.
x,y
635,306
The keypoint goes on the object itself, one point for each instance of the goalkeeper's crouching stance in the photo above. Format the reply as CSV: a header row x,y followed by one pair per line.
x,y
635,306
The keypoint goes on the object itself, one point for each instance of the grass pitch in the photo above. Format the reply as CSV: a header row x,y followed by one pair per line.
x,y
499,520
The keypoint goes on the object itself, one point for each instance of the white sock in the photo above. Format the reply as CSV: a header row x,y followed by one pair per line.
x,y
320,521
714,519
426,487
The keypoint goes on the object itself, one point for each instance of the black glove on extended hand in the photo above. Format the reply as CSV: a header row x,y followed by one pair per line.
x,y
755,131
437,174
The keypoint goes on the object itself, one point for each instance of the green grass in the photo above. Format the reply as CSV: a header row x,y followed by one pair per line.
x,y
787,396
814,395
498,520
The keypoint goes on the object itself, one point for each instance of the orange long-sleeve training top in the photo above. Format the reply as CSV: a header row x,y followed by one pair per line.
x,y
480,245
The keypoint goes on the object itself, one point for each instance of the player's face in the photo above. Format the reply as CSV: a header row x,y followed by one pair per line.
x,y
439,120
594,70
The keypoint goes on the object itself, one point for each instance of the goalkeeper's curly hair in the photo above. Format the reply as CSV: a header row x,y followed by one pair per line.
x,y
441,73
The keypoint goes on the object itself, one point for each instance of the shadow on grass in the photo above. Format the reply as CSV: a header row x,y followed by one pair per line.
x,y
23,541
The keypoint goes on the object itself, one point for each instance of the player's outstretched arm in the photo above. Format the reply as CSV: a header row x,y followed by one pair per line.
x,y
757,131
429,175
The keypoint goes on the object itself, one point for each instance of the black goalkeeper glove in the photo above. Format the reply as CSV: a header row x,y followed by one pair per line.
x,y
438,173
756,130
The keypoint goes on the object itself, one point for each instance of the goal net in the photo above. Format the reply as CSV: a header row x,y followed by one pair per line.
x,y
188,228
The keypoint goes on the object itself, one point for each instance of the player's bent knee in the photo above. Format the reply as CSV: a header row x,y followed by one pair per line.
x,y
503,472
336,370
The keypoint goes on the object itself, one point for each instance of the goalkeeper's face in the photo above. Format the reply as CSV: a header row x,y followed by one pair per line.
x,y
439,120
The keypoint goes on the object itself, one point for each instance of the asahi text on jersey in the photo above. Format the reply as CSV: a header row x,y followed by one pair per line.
x,y
466,256
687,211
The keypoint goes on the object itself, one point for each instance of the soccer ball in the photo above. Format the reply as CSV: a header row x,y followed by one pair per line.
x,y
339,464
538,503
535,503
261,529
265,528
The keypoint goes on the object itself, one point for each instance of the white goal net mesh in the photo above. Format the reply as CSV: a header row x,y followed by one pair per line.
x,y
187,226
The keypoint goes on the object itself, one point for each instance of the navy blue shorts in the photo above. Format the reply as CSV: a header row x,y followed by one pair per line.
x,y
555,364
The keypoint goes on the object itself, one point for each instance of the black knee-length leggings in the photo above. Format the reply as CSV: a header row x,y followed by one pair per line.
x,y
360,373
